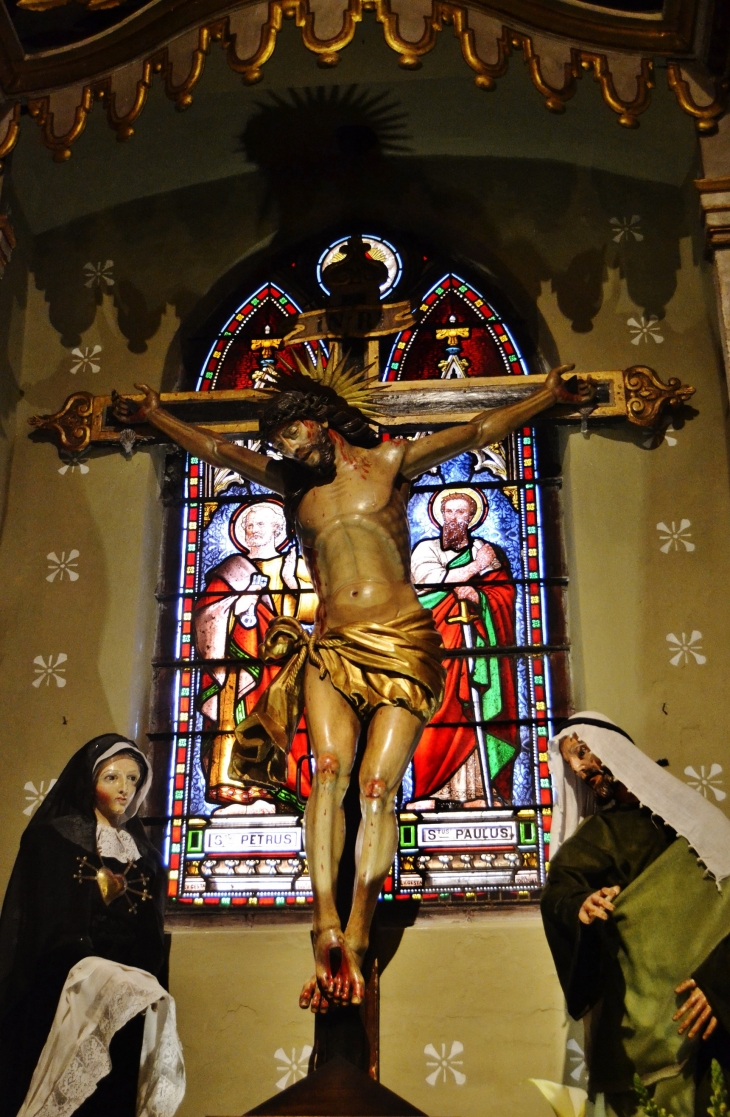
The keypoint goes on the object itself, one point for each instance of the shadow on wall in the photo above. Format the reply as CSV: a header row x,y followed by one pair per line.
x,y
13,298
326,157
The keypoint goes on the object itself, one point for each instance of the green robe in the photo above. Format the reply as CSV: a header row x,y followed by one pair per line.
x,y
671,922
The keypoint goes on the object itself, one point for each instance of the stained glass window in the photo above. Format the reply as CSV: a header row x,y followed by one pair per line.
x,y
474,810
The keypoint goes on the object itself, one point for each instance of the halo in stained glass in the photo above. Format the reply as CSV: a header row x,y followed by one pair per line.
x,y
379,249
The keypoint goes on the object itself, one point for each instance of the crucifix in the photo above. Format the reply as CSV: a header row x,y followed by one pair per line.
x,y
341,485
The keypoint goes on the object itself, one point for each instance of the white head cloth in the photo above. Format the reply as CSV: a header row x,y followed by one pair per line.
x,y
706,828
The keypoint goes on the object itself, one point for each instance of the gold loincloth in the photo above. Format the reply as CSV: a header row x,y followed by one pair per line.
x,y
371,665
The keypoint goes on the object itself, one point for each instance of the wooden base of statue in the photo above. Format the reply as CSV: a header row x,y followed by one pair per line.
x,y
337,1089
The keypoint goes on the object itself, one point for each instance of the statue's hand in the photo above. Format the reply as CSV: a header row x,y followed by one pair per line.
x,y
699,1019
130,410
598,905
575,390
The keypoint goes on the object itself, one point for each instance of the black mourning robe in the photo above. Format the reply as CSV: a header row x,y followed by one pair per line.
x,y
50,921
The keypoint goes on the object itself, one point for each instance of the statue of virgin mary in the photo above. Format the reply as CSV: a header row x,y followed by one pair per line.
x,y
86,1025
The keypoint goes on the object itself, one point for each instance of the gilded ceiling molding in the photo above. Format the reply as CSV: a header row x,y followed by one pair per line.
x,y
555,66
707,115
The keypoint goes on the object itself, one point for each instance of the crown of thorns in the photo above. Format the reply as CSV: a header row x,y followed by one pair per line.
x,y
337,392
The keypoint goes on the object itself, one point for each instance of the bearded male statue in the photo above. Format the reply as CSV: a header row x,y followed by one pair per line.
x,y
636,912
373,663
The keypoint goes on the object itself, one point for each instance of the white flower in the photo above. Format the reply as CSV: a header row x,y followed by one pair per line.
x,y
704,781
62,566
37,794
294,1068
644,329
50,670
684,648
85,361
72,462
673,536
576,1057
656,438
626,227
99,274
444,1063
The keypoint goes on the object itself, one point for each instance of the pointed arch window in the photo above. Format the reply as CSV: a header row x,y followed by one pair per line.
x,y
474,812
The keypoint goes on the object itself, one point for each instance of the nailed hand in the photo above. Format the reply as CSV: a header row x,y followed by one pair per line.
x,y
575,390
127,410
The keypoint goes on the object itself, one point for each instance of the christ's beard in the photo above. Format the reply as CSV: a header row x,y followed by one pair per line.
x,y
454,537
326,463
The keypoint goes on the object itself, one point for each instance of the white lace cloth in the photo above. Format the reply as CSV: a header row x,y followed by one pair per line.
x,y
119,844
98,998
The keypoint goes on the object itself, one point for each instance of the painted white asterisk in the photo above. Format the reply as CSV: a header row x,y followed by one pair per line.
x,y
656,438
672,537
577,1058
85,359
98,274
294,1068
626,227
50,670
684,648
37,794
705,780
644,328
444,1063
72,462
62,566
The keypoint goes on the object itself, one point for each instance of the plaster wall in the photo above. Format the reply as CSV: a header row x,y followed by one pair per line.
x,y
539,218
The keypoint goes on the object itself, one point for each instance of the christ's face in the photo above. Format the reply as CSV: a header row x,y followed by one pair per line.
x,y
116,785
457,514
263,529
305,441
587,766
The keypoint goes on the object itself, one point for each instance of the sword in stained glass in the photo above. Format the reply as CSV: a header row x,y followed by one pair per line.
x,y
464,619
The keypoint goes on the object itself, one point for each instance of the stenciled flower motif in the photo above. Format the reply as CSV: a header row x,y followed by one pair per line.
x,y
98,274
36,794
62,566
705,781
685,648
672,537
294,1068
644,328
50,670
658,437
624,228
85,359
577,1058
445,1063
72,462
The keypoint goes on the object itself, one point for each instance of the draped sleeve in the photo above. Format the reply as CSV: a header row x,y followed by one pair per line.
x,y
607,849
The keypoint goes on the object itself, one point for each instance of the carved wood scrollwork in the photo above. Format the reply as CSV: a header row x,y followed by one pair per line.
x,y
505,41
648,397
72,424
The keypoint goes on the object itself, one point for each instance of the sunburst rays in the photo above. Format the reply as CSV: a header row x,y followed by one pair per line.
x,y
342,376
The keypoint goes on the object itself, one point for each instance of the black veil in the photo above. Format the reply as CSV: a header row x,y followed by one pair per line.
x,y
69,808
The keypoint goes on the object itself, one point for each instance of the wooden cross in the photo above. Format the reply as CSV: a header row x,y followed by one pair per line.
x,y
635,394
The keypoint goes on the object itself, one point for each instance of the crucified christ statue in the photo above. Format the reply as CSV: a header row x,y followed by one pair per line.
x,y
373,663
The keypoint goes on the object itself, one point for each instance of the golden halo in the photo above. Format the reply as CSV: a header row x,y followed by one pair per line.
x,y
436,502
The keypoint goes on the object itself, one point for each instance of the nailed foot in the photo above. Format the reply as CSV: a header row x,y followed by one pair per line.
x,y
338,980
